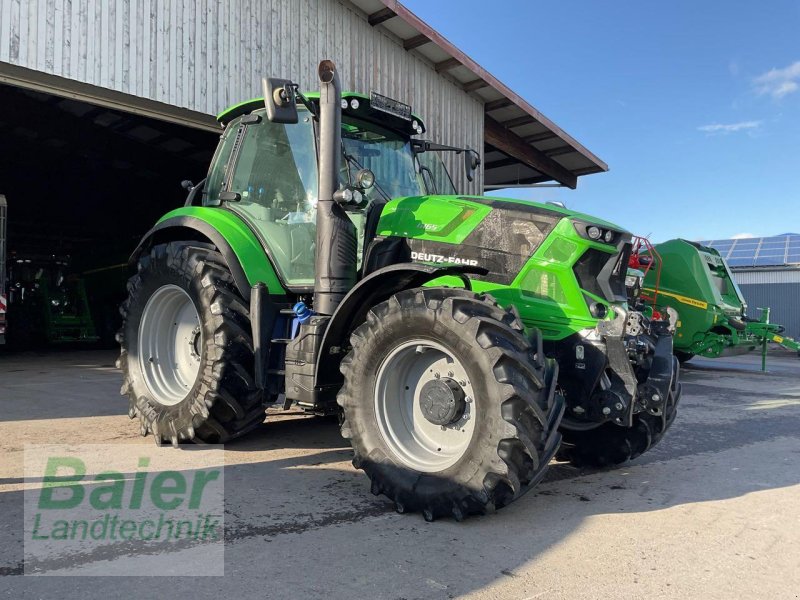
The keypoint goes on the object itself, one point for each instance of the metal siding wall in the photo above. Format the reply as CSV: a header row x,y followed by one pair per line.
x,y
208,54
767,276
783,299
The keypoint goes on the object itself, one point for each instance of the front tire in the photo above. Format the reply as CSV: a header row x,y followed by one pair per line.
x,y
186,348
454,460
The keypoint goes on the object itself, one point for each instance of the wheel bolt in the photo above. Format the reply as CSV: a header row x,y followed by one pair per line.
x,y
606,410
450,374
618,406
462,382
436,375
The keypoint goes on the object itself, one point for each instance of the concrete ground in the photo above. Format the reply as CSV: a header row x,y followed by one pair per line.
x,y
712,512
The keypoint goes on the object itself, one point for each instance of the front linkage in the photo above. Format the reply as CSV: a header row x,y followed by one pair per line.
x,y
621,385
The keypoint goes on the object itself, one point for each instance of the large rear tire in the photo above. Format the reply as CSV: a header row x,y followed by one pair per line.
x,y
464,458
610,444
187,350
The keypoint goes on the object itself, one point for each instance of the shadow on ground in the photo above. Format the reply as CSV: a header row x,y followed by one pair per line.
x,y
300,521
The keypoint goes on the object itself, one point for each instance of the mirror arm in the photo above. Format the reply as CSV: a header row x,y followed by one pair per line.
x,y
420,146
194,191
305,101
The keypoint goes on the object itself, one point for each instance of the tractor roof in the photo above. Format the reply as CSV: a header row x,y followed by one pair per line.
x,y
364,110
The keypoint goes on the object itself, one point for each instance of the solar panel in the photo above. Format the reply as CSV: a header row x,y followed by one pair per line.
x,y
761,252
765,261
740,262
773,246
721,247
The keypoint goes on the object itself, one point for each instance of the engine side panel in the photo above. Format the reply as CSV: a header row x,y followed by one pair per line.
x,y
532,253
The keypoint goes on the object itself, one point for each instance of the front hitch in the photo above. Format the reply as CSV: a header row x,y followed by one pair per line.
x,y
654,392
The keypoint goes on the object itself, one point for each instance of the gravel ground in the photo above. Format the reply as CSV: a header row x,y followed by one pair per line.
x,y
712,512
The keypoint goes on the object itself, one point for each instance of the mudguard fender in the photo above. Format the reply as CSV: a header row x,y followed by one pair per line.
x,y
377,287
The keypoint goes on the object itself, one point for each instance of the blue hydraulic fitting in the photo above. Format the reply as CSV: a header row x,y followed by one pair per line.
x,y
303,315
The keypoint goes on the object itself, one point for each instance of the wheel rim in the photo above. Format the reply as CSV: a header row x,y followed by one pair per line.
x,y
415,441
170,343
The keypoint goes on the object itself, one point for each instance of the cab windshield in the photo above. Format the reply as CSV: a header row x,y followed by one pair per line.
x,y
387,154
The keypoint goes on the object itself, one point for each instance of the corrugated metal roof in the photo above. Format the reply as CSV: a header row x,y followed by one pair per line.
x,y
777,250
522,145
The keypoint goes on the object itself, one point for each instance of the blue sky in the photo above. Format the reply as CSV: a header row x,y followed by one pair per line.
x,y
695,106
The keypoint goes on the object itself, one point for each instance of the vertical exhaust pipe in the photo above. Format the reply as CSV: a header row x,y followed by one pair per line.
x,y
336,255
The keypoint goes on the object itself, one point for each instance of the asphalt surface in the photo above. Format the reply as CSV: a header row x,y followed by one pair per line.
x,y
712,512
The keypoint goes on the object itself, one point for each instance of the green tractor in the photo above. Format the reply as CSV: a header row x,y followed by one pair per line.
x,y
318,265
696,282
47,302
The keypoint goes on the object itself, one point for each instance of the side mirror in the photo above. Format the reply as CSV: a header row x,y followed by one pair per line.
x,y
471,162
280,100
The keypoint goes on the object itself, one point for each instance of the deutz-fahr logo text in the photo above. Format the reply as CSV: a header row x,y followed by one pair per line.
x,y
439,258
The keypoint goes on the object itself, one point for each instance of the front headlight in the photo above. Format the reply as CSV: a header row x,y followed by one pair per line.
x,y
632,281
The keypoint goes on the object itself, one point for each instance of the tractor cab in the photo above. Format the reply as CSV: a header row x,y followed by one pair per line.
x,y
266,172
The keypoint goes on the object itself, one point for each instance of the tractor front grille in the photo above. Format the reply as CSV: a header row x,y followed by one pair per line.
x,y
603,274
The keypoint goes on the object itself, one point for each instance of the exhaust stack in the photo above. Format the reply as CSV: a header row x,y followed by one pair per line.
x,y
336,255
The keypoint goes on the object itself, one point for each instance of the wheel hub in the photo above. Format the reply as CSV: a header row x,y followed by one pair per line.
x,y
442,401
170,344
424,405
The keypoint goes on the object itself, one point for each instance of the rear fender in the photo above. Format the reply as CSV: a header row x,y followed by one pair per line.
x,y
243,254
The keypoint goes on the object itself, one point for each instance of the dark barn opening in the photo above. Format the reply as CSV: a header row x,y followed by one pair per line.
x,y
83,184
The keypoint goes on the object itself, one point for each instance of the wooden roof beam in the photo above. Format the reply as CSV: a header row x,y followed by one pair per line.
x,y
509,143
539,137
519,121
559,150
416,41
503,162
380,16
495,104
473,85
446,65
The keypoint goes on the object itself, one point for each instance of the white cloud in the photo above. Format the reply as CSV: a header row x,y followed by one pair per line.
x,y
779,82
742,236
729,127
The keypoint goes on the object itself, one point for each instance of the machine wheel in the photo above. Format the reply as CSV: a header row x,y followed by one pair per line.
x,y
187,350
449,407
683,357
610,444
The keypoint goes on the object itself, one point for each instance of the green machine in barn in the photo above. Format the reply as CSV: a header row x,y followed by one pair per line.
x,y
695,281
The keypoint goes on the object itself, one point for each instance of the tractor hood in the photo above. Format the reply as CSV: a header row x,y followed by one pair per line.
x,y
455,217
498,234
